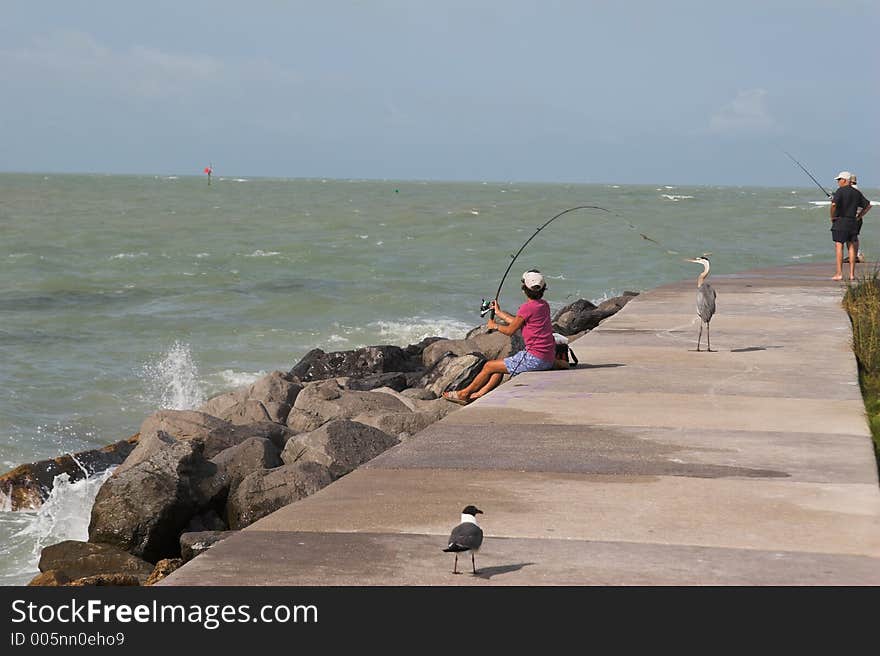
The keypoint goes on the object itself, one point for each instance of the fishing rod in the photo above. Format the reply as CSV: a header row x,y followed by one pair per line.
x,y
485,306
808,173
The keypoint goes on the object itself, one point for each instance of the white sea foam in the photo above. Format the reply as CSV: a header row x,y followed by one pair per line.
x,y
337,339
414,330
5,501
128,256
262,253
788,207
820,203
64,515
801,257
238,379
675,197
475,212
173,381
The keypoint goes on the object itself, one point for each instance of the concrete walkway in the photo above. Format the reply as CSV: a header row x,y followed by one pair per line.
x,y
650,464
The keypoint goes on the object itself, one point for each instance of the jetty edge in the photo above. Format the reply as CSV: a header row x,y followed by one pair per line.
x,y
190,478
649,464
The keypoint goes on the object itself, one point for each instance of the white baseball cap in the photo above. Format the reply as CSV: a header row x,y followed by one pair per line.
x,y
533,279
845,175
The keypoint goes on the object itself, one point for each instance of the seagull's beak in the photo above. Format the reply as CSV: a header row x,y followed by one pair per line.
x,y
478,512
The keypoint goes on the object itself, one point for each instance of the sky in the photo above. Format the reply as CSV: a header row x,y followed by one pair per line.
x,y
589,91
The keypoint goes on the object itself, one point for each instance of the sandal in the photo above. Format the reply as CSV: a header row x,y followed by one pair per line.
x,y
455,398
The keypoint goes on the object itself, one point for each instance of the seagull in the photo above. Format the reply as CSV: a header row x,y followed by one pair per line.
x,y
467,536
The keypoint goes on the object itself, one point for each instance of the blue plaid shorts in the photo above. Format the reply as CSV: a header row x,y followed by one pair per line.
x,y
525,361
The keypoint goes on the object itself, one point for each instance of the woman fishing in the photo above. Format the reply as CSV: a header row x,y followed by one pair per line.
x,y
533,318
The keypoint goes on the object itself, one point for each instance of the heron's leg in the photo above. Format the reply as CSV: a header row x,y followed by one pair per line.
x,y
700,336
455,566
473,563
708,344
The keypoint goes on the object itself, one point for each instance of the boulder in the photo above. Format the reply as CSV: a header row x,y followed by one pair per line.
x,y
394,380
75,559
422,414
443,347
53,578
340,445
206,521
27,486
451,373
106,579
163,568
496,345
236,462
583,315
212,433
357,363
143,509
194,544
418,393
321,402
264,492
268,399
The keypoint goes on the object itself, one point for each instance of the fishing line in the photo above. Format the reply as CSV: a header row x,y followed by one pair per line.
x,y
484,306
808,173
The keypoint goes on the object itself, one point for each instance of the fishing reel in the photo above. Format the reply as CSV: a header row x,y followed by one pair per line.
x,y
485,308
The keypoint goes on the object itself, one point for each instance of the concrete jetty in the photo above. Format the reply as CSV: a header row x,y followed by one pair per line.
x,y
648,464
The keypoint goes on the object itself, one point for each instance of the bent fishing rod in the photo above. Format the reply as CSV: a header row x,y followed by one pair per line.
x,y
808,173
485,306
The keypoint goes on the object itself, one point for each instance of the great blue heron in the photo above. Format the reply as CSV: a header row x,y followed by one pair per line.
x,y
705,300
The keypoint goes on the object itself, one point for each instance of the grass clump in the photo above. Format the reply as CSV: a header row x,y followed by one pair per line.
x,y
862,303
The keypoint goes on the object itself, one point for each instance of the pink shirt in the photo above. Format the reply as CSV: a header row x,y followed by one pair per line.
x,y
537,331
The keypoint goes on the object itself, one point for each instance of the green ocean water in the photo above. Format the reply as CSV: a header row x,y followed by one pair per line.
x,y
123,294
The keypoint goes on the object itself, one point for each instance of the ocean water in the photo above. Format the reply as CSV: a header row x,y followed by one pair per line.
x,y
120,295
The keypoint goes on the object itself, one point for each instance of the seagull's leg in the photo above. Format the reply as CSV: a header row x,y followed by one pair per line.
x,y
473,564
455,567
700,336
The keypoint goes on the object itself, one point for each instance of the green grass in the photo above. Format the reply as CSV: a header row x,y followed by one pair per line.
x,y
862,302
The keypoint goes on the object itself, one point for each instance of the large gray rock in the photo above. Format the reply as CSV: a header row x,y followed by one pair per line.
x,y
357,363
423,413
194,544
452,373
27,486
264,492
495,345
179,425
321,402
144,508
440,349
212,433
583,315
340,445
394,380
236,462
268,399
76,559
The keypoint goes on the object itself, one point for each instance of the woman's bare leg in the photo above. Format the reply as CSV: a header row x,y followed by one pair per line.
x,y
494,381
490,368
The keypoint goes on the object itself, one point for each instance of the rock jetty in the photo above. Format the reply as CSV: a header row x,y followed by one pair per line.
x,y
191,477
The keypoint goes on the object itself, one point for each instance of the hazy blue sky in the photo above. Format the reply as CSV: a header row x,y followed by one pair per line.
x,y
612,92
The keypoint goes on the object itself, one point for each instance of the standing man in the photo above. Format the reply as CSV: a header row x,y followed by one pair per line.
x,y
853,180
848,206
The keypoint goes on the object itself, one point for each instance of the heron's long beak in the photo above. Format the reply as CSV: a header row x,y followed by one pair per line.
x,y
687,259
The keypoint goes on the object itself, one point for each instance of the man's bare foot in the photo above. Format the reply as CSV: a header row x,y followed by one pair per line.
x,y
838,277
